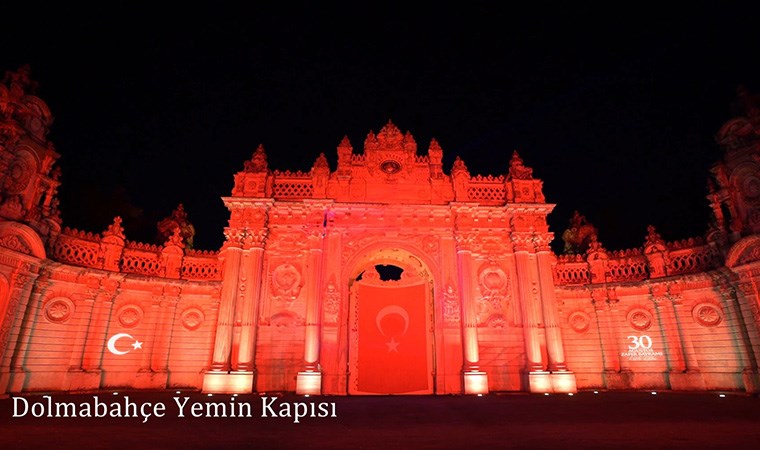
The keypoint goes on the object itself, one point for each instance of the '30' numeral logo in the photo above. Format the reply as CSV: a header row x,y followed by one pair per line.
x,y
637,342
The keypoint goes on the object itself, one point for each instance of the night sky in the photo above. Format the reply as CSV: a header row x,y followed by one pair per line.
x,y
615,109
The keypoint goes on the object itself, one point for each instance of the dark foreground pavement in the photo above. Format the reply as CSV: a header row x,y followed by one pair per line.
x,y
606,421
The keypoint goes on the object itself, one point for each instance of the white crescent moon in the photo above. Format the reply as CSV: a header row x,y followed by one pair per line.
x,y
392,309
112,343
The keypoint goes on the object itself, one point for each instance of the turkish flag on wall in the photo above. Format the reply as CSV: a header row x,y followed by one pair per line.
x,y
392,353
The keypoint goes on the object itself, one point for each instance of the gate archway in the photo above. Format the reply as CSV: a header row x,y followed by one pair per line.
x,y
391,325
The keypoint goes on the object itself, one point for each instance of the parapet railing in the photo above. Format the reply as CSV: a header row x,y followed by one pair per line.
x,y
602,266
84,249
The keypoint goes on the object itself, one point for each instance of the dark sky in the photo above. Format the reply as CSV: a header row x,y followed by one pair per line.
x,y
615,109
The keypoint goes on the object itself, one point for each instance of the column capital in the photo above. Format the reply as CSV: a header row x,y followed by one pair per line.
x,y
541,241
523,241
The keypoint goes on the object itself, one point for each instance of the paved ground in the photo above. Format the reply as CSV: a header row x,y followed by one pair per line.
x,y
583,421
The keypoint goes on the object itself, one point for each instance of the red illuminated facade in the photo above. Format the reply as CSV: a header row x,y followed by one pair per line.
x,y
293,300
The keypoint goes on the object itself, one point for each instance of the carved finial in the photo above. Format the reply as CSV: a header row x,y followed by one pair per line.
x,y
177,220
435,148
258,162
346,144
175,239
115,229
390,137
747,103
409,144
517,169
579,235
458,167
321,163
435,154
20,80
653,241
594,246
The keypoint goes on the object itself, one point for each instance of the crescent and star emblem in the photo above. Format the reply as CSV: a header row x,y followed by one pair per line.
x,y
112,344
387,311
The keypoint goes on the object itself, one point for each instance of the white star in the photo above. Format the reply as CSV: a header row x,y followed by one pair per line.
x,y
137,345
392,345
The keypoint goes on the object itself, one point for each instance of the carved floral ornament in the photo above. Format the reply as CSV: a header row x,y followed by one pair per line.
x,y
58,309
579,321
13,242
192,318
331,302
129,316
640,319
707,314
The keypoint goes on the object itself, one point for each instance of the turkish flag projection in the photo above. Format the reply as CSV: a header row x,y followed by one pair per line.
x,y
392,353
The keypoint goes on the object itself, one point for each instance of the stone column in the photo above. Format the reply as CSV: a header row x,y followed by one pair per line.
x,y
19,296
475,380
88,346
309,380
610,352
563,381
690,377
96,336
250,283
159,362
669,332
241,281
528,288
223,341
217,379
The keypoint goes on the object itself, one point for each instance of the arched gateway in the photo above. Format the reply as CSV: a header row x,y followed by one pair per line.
x,y
303,296
473,307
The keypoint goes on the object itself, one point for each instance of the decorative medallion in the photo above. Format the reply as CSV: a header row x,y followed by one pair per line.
x,y
579,321
59,310
286,281
493,279
751,187
493,283
129,316
640,319
707,314
390,167
18,175
192,318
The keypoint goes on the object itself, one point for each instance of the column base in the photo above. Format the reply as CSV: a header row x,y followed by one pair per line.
x,y
563,382
543,382
751,381
686,381
84,380
309,383
475,382
228,382
539,382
